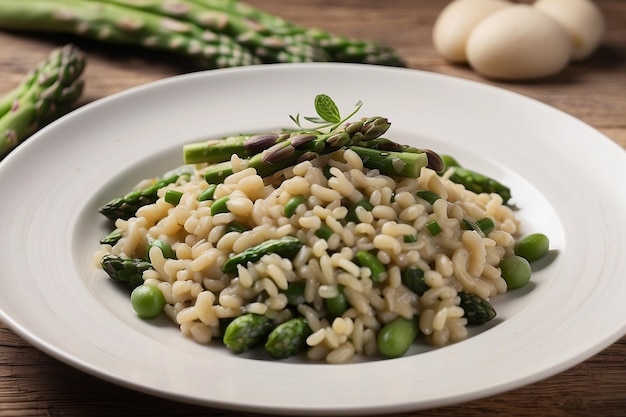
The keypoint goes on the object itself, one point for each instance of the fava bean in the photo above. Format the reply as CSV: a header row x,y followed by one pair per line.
x,y
516,271
395,338
533,246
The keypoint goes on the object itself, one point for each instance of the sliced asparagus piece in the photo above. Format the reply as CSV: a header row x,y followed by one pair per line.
x,y
477,310
126,270
247,331
113,237
288,338
48,92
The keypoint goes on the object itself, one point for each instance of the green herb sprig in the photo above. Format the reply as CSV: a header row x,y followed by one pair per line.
x,y
328,114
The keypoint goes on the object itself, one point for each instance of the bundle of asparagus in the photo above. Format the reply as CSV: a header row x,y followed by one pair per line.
x,y
219,33
48,92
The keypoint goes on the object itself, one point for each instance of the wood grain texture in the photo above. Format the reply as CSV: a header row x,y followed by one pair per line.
x,y
34,384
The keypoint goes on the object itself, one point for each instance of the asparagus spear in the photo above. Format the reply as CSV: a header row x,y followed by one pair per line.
x,y
125,207
239,23
223,32
126,270
113,237
475,181
277,146
273,152
287,247
477,310
336,48
115,23
48,92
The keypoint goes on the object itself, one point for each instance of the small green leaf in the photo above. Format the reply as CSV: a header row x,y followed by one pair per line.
x,y
296,119
327,109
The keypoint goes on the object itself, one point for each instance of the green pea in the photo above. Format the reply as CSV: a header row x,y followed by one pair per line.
x,y
516,271
165,247
533,246
219,206
292,205
395,338
147,301
337,305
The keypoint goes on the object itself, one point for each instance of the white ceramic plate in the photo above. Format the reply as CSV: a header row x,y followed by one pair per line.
x,y
566,180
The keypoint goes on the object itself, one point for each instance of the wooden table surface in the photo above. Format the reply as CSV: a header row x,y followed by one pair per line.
x,y
34,384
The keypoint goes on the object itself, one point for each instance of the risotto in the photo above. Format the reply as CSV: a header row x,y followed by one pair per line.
x,y
362,236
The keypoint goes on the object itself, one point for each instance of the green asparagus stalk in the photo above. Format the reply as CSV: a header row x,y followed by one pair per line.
x,y
125,207
225,17
475,181
276,147
286,247
126,270
48,92
219,33
115,23
217,150
273,152
404,164
334,47
344,49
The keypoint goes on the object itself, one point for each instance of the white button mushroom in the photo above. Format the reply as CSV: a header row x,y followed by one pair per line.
x,y
456,21
518,43
581,18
